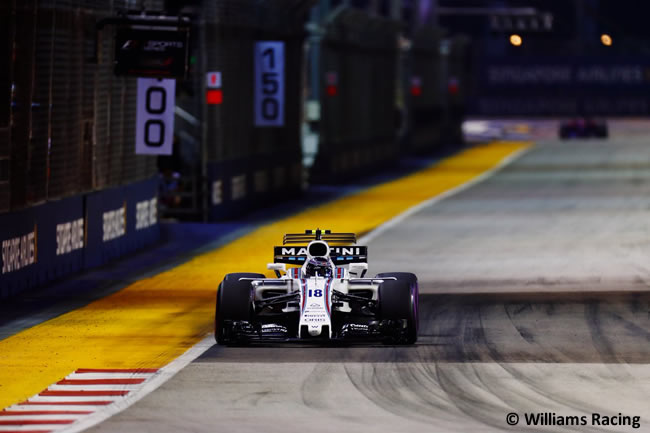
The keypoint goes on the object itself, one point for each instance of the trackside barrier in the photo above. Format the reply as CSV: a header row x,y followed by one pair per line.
x,y
55,239
237,186
358,88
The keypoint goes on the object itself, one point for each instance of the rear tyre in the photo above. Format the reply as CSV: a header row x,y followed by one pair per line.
x,y
234,303
398,300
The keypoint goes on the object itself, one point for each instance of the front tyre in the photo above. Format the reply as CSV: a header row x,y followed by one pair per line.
x,y
234,303
398,300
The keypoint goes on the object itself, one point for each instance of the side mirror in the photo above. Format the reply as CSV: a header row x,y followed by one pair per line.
x,y
358,269
277,267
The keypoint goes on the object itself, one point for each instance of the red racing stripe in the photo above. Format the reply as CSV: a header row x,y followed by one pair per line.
x,y
124,381
116,370
44,412
65,403
48,393
36,421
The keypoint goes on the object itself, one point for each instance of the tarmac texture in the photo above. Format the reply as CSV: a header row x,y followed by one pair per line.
x,y
534,300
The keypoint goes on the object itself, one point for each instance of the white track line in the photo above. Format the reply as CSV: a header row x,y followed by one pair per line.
x,y
157,379
154,380
56,399
93,387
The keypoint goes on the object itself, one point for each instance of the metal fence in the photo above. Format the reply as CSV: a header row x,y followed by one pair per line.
x,y
66,122
427,94
358,106
458,77
247,164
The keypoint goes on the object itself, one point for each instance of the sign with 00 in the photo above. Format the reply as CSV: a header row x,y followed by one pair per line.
x,y
154,130
269,83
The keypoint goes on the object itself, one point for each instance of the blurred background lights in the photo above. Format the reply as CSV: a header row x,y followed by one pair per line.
x,y
515,40
606,39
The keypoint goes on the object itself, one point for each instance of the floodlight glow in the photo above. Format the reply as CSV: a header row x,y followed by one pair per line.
x,y
606,39
515,40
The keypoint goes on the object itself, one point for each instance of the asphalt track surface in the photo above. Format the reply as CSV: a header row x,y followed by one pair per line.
x,y
534,299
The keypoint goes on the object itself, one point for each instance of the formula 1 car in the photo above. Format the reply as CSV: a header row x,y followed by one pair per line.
x,y
583,128
325,297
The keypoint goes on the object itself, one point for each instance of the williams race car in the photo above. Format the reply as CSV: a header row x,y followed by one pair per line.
x,y
583,128
325,297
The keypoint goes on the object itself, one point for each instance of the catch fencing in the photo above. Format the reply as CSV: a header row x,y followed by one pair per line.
x,y
358,87
73,194
248,164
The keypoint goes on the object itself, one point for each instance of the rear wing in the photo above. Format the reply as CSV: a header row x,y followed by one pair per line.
x,y
340,255
320,235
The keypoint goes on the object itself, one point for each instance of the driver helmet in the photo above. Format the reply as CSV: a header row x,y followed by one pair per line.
x,y
318,266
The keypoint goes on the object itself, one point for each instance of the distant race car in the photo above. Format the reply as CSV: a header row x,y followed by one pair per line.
x,y
324,298
583,128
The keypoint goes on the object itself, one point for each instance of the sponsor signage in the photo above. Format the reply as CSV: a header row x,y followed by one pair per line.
x,y
269,83
558,86
69,236
334,251
238,187
314,317
48,241
114,223
154,131
19,252
514,75
152,53
217,192
260,181
146,213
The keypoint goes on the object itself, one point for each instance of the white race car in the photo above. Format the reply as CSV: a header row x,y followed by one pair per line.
x,y
324,297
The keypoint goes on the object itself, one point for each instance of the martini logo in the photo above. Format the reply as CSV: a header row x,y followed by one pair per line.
x,y
342,251
346,251
18,252
292,251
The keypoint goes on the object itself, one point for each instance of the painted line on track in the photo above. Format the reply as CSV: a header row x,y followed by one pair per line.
x,y
157,321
